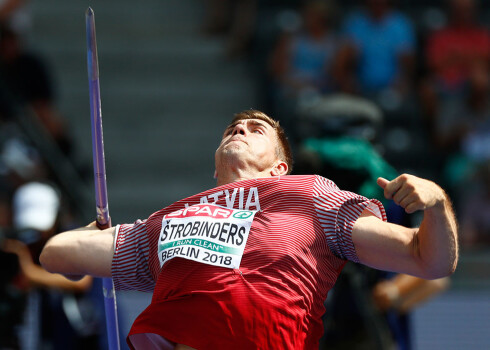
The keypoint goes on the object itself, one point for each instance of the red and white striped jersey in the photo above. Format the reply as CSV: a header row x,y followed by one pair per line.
x,y
299,241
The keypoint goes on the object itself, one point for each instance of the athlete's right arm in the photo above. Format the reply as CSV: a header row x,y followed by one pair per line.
x,y
83,251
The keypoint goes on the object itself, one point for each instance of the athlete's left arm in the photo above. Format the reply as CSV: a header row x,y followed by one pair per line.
x,y
430,251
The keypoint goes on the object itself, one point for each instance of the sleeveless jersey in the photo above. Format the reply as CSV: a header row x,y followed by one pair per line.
x,y
298,242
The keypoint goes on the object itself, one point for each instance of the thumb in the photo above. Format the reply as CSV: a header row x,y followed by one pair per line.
x,y
382,182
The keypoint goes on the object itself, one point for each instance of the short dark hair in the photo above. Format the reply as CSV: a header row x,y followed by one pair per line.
x,y
283,150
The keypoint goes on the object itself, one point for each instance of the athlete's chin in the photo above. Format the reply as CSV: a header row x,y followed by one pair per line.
x,y
231,154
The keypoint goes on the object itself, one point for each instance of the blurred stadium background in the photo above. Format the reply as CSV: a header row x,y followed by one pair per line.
x,y
169,84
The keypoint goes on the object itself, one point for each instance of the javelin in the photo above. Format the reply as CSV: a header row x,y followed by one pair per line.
x,y
102,206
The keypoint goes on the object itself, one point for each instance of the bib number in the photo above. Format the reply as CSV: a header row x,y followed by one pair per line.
x,y
207,233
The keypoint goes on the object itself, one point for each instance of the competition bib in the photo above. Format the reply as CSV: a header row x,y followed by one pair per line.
x,y
207,233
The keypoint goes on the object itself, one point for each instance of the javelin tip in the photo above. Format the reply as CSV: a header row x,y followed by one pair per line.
x,y
89,12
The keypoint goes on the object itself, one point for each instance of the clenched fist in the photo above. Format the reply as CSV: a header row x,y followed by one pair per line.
x,y
413,193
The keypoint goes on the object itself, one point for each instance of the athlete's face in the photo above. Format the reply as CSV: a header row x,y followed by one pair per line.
x,y
250,142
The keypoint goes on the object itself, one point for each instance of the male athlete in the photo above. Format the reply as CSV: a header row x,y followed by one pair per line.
x,y
248,264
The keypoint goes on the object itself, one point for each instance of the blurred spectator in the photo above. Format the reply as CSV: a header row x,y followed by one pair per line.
x,y
16,15
463,132
475,209
455,49
52,317
463,124
12,301
301,62
20,162
398,296
453,52
12,296
378,54
25,81
236,19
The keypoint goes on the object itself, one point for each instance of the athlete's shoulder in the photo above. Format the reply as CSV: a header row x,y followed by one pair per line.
x,y
325,184
297,182
315,181
304,184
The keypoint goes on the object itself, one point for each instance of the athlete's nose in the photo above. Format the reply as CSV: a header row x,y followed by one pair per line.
x,y
239,129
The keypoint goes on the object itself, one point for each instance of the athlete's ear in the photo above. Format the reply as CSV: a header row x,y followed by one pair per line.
x,y
215,174
280,168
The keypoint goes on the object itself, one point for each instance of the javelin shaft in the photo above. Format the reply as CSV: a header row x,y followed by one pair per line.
x,y
102,205
103,218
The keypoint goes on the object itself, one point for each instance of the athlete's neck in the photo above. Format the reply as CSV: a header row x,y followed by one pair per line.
x,y
229,177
